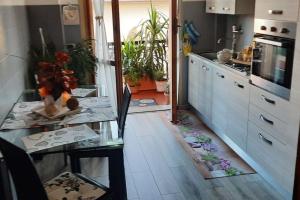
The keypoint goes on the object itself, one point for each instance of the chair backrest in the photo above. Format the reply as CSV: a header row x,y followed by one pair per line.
x,y
25,177
124,110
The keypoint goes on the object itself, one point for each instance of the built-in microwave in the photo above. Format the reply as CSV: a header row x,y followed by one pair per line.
x,y
273,55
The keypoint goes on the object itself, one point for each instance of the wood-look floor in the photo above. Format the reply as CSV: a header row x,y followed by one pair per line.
x,y
157,168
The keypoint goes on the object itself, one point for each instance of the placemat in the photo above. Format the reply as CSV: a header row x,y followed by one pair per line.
x,y
46,140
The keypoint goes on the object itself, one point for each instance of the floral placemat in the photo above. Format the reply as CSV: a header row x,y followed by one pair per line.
x,y
46,140
211,155
94,109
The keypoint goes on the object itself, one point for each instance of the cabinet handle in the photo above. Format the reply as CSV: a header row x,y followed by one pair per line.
x,y
238,85
263,118
265,139
270,101
192,61
226,8
275,12
220,75
205,68
211,8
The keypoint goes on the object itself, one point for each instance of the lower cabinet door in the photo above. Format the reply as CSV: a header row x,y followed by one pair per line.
x,y
238,109
193,76
277,159
204,91
219,101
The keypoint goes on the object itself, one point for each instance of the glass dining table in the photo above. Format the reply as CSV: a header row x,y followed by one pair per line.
x,y
107,142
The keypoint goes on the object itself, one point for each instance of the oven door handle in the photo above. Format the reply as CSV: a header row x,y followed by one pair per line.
x,y
271,42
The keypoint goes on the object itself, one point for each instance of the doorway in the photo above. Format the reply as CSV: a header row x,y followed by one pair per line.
x,y
166,98
145,55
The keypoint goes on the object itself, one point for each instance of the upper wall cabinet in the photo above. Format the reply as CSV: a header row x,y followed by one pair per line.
x,y
277,9
231,7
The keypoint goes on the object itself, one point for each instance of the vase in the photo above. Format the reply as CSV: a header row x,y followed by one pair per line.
x,y
50,107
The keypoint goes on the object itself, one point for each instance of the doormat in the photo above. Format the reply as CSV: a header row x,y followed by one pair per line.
x,y
143,102
211,155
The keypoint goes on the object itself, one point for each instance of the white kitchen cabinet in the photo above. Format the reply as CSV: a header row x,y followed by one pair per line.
x,y
271,103
205,92
219,107
277,159
193,86
230,6
238,109
199,89
277,9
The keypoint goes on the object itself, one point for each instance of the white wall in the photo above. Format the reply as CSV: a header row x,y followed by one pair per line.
x,y
131,14
14,46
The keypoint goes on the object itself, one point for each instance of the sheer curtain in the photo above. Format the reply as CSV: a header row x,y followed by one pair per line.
x,y
105,77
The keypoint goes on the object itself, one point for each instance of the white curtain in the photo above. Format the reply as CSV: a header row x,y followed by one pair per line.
x,y
105,77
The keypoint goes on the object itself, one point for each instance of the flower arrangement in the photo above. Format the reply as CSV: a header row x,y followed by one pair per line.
x,y
55,81
53,77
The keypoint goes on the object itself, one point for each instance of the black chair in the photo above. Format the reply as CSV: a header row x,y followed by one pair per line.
x,y
122,116
124,110
29,186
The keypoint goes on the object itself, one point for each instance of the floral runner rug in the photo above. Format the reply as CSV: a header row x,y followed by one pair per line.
x,y
211,155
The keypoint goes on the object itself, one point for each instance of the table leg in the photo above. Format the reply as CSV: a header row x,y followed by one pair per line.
x,y
75,163
117,179
5,189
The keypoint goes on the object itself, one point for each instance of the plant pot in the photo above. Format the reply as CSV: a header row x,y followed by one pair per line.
x,y
134,89
161,86
146,84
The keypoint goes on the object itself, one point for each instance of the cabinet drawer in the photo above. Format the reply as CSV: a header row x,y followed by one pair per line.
x,y
277,128
271,103
276,158
277,9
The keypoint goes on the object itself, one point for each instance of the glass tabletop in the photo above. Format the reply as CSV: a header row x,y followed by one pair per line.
x,y
107,137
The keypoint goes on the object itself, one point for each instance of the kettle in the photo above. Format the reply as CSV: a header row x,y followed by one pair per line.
x,y
224,56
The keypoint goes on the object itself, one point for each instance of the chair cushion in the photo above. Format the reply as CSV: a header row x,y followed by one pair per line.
x,y
68,186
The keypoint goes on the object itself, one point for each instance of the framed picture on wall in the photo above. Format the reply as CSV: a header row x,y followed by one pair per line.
x,y
71,15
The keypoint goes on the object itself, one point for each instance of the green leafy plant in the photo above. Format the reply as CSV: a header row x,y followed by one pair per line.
x,y
154,33
132,61
83,61
144,53
159,75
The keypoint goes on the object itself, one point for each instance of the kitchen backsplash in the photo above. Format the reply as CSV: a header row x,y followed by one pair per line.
x,y
204,23
14,46
247,24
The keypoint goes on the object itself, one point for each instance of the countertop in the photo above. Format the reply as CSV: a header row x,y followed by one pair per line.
x,y
222,66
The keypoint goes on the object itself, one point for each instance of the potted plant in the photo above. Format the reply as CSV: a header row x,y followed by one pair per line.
x,y
132,63
154,34
160,80
144,52
83,61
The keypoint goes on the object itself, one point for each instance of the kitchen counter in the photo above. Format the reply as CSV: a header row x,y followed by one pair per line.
x,y
224,66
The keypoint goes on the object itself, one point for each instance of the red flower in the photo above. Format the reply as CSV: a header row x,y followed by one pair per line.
x,y
62,57
44,65
53,78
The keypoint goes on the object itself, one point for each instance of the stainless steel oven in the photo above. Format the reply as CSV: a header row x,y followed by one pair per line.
x,y
273,56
